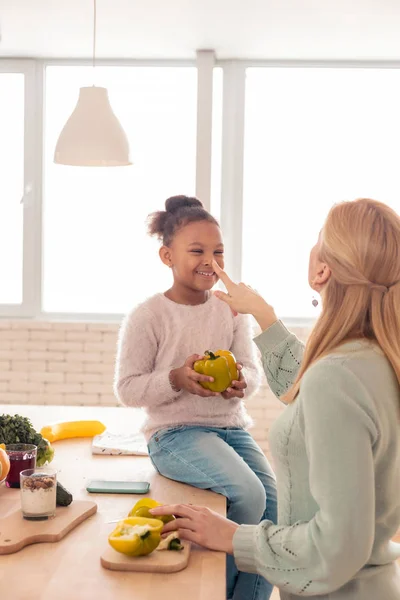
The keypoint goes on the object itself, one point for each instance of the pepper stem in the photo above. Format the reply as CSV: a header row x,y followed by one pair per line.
x,y
210,355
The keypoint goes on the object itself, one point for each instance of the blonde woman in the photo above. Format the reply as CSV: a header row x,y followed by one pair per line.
x,y
336,447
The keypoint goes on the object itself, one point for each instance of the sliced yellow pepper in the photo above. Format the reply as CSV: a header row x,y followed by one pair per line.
x,y
72,429
142,509
136,536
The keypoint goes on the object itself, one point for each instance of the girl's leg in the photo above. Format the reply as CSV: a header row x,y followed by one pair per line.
x,y
201,457
242,442
247,584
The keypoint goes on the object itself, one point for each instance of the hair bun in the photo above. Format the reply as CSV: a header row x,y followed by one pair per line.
x,y
175,203
179,211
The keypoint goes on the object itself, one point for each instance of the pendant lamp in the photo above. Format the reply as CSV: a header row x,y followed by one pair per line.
x,y
92,136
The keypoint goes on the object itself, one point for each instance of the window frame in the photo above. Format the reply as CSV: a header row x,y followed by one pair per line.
x,y
30,182
232,161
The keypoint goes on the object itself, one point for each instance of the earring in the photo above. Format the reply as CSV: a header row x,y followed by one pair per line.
x,y
314,302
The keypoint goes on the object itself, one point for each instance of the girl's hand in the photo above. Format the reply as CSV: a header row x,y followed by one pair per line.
x,y
199,525
236,389
186,378
243,299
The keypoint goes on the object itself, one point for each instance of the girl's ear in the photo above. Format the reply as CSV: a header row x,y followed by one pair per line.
x,y
166,255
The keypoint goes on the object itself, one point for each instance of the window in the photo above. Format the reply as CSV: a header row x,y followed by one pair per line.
x,y
313,137
97,256
11,186
73,240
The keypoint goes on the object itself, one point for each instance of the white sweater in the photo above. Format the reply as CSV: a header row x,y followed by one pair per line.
x,y
159,335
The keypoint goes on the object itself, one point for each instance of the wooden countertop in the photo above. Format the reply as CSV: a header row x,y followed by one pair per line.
x,y
70,569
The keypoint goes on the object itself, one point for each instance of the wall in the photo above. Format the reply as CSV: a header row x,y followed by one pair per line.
x,y
73,364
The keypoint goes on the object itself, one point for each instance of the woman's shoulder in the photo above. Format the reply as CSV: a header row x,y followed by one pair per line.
x,y
358,371
351,360
356,357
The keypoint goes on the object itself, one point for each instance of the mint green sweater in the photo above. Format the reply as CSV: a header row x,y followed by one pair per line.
x,y
336,451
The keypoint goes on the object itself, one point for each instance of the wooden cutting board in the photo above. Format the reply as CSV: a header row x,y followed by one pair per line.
x,y
16,532
163,561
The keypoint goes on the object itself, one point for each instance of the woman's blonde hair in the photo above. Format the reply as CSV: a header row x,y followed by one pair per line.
x,y
360,243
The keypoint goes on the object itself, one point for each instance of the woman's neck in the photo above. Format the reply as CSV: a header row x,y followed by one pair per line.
x,y
184,295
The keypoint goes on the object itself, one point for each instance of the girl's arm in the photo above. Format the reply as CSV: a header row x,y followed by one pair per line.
x,y
281,354
243,350
137,383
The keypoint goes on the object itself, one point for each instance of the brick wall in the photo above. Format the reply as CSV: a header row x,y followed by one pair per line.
x,y
57,363
73,364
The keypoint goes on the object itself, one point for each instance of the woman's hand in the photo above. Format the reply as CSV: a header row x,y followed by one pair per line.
x,y
236,389
199,525
186,378
243,299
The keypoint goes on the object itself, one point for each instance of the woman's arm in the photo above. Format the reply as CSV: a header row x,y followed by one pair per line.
x,y
281,351
281,355
319,556
137,383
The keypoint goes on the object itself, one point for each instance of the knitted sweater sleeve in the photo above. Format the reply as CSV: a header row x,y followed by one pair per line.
x,y
137,382
281,354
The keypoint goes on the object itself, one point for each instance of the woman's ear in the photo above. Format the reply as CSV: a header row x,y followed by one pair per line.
x,y
166,255
322,276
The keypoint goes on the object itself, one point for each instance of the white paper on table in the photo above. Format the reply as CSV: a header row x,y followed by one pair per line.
x,y
119,443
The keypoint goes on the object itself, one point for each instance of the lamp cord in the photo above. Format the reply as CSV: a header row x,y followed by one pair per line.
x,y
94,33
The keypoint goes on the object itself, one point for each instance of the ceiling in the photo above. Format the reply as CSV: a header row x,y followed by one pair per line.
x,y
263,29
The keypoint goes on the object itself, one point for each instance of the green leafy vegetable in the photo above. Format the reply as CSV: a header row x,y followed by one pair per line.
x,y
15,429
175,544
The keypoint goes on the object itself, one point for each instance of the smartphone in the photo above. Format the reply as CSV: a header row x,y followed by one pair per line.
x,y
118,487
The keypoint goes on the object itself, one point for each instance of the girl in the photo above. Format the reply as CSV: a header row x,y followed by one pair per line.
x,y
336,445
196,436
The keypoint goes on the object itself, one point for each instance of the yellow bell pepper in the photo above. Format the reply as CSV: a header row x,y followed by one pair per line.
x,y
216,366
231,363
136,536
72,429
142,509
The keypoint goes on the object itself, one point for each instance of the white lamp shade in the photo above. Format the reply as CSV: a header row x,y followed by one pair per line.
x,y
92,136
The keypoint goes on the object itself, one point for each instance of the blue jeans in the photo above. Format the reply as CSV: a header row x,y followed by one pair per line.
x,y
229,462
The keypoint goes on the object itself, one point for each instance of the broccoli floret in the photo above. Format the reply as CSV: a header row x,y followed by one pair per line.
x,y
15,429
45,453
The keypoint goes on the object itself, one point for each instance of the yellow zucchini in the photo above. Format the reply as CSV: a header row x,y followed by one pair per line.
x,y
72,429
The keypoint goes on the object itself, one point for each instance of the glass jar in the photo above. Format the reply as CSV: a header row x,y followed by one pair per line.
x,y
22,457
38,493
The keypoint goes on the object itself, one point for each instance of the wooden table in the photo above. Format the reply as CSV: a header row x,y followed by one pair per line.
x,y
70,569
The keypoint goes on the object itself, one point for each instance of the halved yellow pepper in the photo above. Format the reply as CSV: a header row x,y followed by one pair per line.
x,y
136,536
142,509
217,366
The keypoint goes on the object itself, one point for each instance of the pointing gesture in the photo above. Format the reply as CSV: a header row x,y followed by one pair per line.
x,y
243,299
